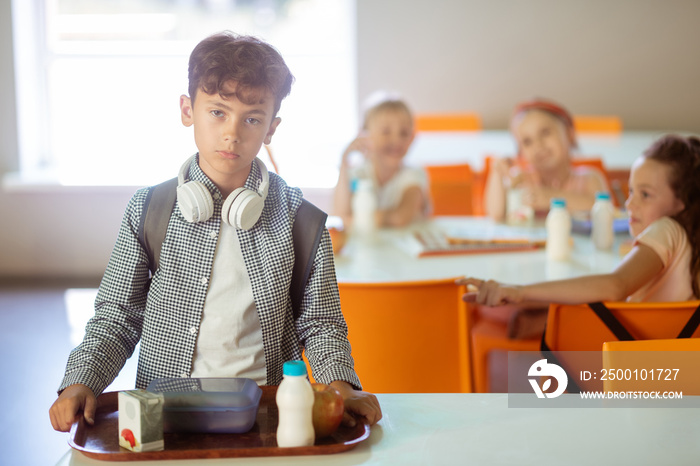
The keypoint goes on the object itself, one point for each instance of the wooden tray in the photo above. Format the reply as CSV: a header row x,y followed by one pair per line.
x,y
101,441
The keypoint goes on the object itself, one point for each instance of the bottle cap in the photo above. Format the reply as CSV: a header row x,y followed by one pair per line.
x,y
557,202
602,195
363,183
294,368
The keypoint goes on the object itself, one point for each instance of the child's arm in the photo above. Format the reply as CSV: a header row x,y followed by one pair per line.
x,y
362,404
411,205
639,266
342,195
495,190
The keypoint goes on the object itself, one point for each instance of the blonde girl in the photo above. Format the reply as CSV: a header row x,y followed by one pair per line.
x,y
384,140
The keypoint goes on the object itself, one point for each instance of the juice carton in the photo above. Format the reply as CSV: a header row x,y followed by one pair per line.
x,y
141,420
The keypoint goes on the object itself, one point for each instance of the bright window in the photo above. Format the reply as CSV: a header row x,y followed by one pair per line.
x,y
99,83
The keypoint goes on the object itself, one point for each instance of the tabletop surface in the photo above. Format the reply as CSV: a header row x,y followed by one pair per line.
x,y
481,429
390,256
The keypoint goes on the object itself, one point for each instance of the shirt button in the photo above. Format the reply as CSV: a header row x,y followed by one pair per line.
x,y
217,196
193,330
184,375
213,234
204,280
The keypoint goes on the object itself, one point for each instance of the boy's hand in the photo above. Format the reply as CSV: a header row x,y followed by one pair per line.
x,y
74,398
490,293
361,404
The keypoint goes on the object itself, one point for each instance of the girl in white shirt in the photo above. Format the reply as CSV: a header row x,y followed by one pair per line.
x,y
400,191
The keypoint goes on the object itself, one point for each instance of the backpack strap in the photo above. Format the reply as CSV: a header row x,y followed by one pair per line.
x,y
309,224
691,325
619,331
611,321
307,230
157,209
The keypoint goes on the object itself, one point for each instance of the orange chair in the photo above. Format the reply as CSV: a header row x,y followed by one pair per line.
x,y
573,330
630,363
488,336
448,122
451,186
451,189
597,124
409,337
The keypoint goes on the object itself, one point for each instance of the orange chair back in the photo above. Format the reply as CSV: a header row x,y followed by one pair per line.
x,y
576,328
448,122
674,362
451,189
408,337
597,124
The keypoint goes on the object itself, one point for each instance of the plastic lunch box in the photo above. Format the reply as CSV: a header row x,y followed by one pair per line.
x,y
216,405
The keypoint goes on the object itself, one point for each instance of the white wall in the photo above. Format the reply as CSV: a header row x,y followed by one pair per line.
x,y
633,58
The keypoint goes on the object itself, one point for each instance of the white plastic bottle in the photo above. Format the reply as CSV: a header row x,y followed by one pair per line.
x,y
364,205
295,401
602,219
558,226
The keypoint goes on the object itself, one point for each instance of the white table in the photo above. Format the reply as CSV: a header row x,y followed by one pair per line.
x,y
386,258
447,429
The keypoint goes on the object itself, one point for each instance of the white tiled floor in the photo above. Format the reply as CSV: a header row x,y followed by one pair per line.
x,y
35,339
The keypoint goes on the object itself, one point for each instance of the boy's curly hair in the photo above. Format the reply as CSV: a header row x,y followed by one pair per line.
x,y
682,155
253,64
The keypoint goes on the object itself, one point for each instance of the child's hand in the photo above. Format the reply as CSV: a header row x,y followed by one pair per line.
x,y
502,166
490,293
358,404
74,398
359,144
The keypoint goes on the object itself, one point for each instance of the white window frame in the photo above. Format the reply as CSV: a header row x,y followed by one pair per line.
x,y
310,163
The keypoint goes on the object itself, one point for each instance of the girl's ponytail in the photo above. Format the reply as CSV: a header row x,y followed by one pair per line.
x,y
683,155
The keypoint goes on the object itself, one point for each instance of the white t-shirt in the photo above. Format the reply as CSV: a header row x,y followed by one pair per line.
x,y
668,239
229,343
390,194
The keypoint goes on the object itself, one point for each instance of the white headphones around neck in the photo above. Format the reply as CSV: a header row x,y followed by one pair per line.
x,y
241,209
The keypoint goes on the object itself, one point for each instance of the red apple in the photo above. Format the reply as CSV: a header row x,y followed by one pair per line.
x,y
129,437
328,409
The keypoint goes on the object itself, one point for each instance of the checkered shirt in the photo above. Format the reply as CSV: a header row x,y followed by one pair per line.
x,y
164,313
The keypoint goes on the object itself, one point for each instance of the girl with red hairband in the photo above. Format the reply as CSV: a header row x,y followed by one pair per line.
x,y
544,132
